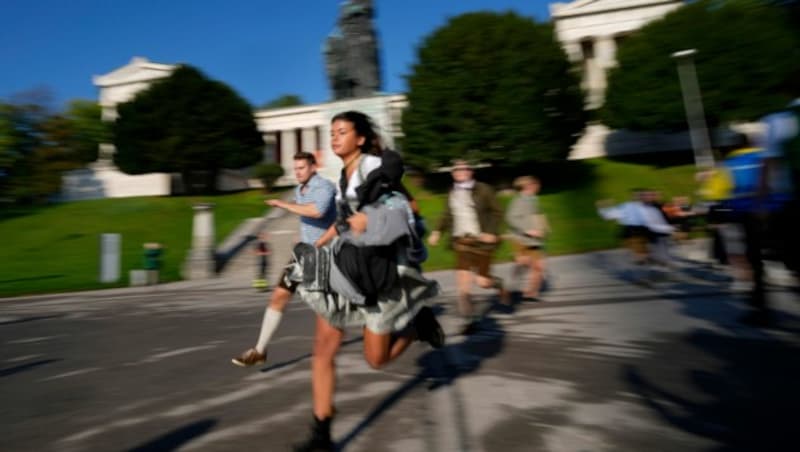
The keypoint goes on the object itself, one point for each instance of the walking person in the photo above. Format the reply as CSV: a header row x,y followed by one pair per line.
x,y
472,217
640,222
314,203
661,230
364,273
633,231
773,217
680,214
528,228
261,251
781,176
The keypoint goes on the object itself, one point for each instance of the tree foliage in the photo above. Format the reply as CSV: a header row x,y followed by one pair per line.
x,y
268,174
87,129
791,8
54,155
287,100
495,87
189,124
20,135
748,64
38,145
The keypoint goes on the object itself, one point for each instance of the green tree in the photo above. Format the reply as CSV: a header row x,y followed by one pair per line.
x,y
268,173
86,129
791,8
748,64
188,124
53,156
37,146
496,87
8,154
21,135
287,100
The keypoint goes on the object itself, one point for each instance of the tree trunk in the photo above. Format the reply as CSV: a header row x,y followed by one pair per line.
x,y
211,181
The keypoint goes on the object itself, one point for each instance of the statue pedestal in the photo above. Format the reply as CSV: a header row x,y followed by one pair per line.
x,y
200,262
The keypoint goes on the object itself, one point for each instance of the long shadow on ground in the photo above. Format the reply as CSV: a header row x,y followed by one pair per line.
x,y
747,403
438,368
177,438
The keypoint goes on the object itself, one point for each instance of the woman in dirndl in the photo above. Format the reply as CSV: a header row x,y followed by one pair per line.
x,y
362,272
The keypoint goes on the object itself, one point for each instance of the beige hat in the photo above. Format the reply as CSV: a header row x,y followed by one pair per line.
x,y
460,164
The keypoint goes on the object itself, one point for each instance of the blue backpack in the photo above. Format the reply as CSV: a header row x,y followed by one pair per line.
x,y
744,168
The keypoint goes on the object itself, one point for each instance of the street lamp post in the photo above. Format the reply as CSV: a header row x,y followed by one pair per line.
x,y
693,104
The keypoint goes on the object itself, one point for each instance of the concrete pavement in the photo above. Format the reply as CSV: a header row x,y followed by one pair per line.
x,y
600,365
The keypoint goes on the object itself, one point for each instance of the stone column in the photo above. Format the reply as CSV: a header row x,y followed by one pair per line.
x,y
309,139
606,54
200,263
110,245
288,149
329,161
105,157
270,153
573,51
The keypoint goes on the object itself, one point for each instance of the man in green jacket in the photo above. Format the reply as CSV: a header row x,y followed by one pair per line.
x,y
472,217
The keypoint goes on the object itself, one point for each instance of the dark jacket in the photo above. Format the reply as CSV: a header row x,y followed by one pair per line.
x,y
383,180
371,269
490,214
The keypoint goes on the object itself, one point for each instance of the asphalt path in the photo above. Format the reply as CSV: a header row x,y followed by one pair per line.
x,y
602,364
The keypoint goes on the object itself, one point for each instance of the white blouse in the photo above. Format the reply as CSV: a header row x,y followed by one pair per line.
x,y
367,165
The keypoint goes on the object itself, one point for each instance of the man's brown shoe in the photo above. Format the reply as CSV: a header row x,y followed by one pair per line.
x,y
250,357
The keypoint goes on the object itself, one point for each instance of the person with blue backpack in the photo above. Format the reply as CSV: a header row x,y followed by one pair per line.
x,y
735,183
781,173
747,208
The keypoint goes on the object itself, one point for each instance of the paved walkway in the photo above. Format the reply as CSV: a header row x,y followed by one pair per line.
x,y
600,365
282,228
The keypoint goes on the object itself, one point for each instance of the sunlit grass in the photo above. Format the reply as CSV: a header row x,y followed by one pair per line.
x,y
57,248
571,212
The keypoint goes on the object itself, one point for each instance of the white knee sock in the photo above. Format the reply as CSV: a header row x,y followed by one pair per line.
x,y
272,319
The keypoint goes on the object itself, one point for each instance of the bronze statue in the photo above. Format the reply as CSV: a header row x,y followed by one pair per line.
x,y
351,52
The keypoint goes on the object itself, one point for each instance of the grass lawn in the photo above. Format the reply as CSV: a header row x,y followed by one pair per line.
x,y
56,248
570,207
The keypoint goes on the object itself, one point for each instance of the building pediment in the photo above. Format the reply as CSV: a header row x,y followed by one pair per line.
x,y
138,70
587,7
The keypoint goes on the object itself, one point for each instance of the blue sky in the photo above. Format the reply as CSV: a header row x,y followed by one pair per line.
x,y
262,49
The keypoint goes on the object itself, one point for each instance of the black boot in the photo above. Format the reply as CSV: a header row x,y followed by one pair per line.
x,y
428,328
320,440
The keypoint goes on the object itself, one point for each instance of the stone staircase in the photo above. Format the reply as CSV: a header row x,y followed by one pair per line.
x,y
283,231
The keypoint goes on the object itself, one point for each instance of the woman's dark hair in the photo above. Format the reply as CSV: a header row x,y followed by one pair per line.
x,y
364,127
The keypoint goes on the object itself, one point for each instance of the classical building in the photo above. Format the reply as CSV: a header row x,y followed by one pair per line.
x,y
353,69
307,128
122,84
590,32
102,179
285,131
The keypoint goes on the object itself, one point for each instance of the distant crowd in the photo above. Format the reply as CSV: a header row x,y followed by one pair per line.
x,y
747,204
